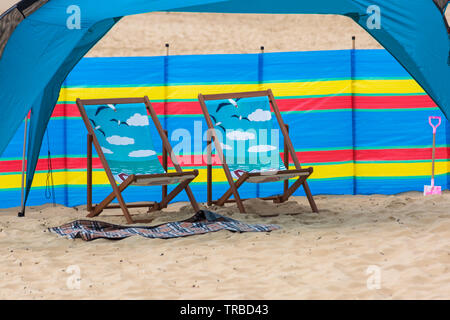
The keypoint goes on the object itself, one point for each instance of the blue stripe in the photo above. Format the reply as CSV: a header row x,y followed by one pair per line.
x,y
233,68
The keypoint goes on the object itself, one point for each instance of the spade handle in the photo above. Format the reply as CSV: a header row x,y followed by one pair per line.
x,y
434,143
431,122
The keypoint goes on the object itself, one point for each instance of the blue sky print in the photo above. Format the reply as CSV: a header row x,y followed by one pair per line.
x,y
123,131
245,127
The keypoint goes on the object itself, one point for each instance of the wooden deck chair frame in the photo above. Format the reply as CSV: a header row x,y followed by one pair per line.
x,y
303,174
95,210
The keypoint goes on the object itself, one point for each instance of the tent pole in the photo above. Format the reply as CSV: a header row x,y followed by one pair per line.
x,y
261,87
22,201
352,88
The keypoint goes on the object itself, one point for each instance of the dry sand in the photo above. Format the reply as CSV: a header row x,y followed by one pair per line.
x,y
206,33
313,256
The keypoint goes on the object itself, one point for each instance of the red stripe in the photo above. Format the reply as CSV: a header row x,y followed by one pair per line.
x,y
401,154
187,161
304,157
393,102
307,104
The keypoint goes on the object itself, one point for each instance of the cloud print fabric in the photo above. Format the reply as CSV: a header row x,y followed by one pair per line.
x,y
249,139
125,137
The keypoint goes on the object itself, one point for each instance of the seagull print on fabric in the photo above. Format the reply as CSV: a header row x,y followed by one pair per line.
x,y
231,102
217,124
240,117
120,122
97,127
108,106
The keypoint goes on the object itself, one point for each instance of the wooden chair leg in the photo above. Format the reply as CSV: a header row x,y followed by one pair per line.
x,y
124,208
230,191
116,193
194,202
292,189
309,195
286,159
174,192
165,155
209,175
90,209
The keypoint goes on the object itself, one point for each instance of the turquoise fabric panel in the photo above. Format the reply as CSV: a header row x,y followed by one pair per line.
x,y
249,139
123,131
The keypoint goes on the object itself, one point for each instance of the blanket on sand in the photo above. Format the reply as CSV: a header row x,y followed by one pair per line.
x,y
202,222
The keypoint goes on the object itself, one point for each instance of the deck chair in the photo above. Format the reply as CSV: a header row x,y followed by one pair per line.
x,y
240,126
119,129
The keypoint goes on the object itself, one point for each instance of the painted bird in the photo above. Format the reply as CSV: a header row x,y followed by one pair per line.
x,y
108,106
217,124
119,122
96,127
240,117
230,102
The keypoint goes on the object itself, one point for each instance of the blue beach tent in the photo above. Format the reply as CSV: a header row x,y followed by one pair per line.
x,y
42,40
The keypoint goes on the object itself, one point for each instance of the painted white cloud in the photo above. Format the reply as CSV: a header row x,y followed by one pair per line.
x,y
138,120
106,150
141,153
261,148
120,141
260,115
225,146
240,135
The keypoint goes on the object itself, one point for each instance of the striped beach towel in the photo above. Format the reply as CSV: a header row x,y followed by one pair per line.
x,y
202,222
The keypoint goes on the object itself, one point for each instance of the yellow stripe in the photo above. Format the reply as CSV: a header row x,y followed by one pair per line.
x,y
99,177
386,87
400,169
280,89
320,172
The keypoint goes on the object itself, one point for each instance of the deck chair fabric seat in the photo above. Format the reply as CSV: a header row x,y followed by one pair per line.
x,y
122,132
256,176
153,180
247,142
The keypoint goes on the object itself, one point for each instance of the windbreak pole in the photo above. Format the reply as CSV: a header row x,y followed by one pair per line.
x,y
24,150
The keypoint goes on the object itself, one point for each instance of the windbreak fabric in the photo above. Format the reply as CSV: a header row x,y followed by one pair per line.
x,y
355,116
42,49
248,134
123,132
414,32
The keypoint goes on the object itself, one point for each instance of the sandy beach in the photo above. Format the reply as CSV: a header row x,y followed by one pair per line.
x,y
216,33
340,253
358,247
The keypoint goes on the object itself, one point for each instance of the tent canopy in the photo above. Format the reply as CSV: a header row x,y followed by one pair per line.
x,y
41,41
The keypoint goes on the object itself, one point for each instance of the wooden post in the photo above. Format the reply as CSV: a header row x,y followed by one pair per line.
x,y
165,166
209,170
172,155
89,173
290,146
220,154
108,172
286,159
24,151
352,90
